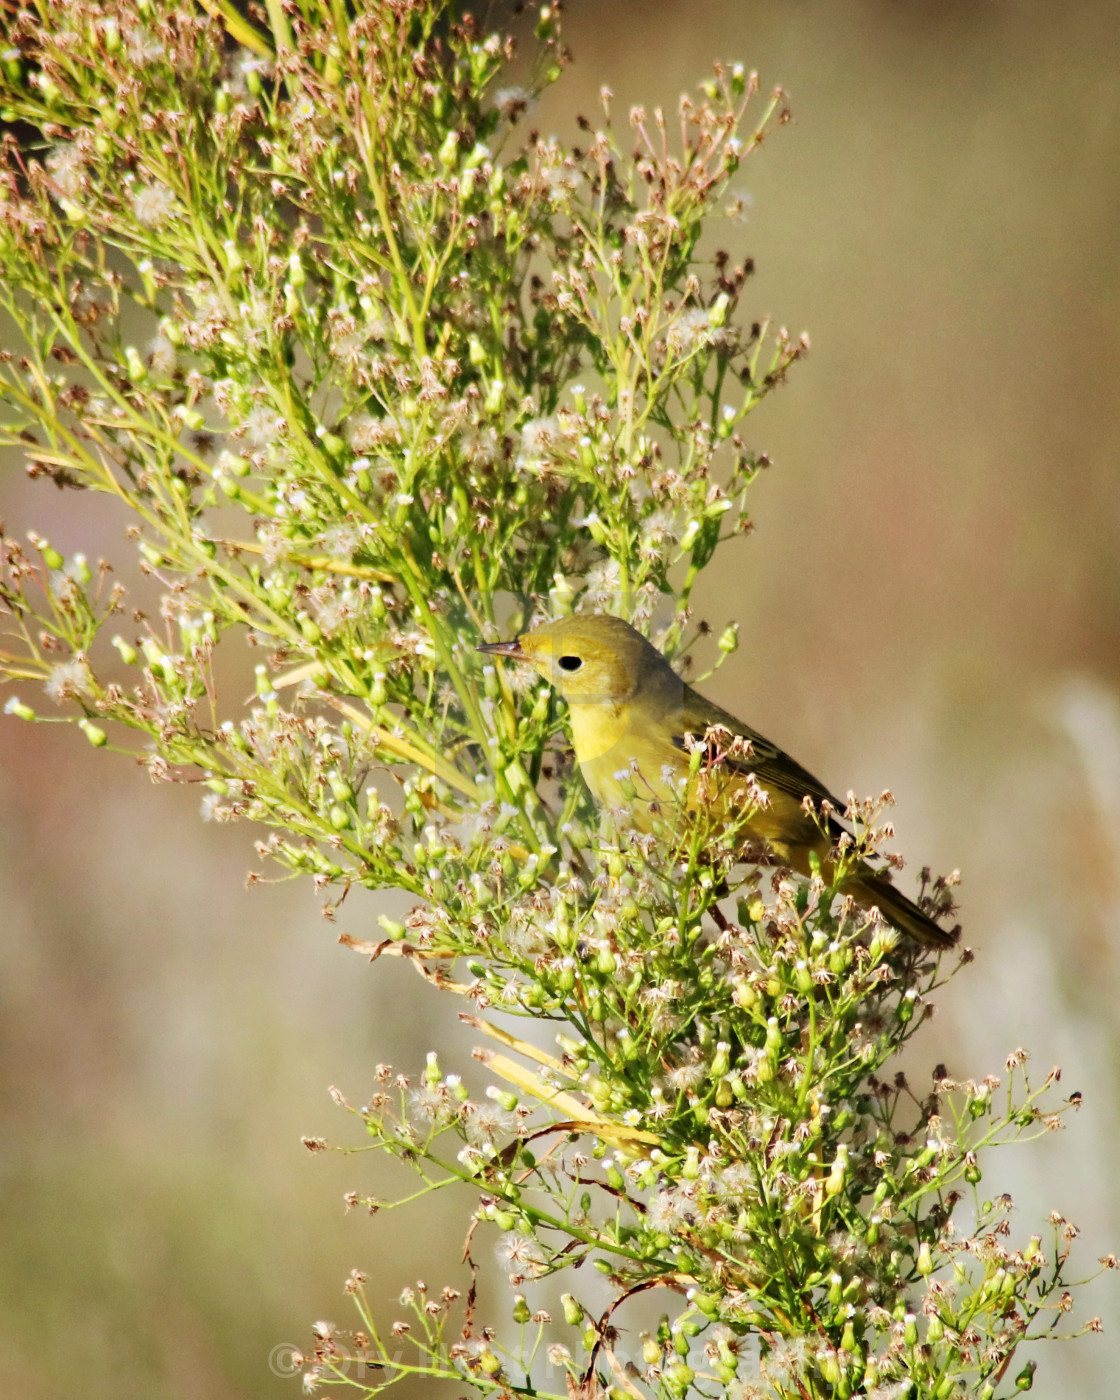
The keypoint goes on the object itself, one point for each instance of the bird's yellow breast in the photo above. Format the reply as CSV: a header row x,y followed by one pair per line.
x,y
611,748
615,747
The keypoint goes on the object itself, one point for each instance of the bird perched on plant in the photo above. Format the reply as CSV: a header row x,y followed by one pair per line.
x,y
634,726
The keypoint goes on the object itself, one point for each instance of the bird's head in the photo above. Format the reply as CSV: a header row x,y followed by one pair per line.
x,y
590,658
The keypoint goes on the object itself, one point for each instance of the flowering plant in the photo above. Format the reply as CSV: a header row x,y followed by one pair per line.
x,y
375,372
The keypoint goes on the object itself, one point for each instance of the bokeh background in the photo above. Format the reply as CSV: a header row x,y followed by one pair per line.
x,y
930,602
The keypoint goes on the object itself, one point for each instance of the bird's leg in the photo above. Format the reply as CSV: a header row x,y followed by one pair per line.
x,y
721,920
718,916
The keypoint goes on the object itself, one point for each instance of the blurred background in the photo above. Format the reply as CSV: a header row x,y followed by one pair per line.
x,y
930,603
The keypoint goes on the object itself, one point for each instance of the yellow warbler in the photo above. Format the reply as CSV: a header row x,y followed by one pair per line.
x,y
631,716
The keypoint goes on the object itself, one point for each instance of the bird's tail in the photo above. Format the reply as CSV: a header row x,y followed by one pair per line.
x,y
868,887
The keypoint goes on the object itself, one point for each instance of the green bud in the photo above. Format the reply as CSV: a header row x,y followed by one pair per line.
x,y
830,1368
448,152
97,737
521,1311
15,706
835,1183
924,1262
392,928
340,817
744,993
51,557
495,396
148,282
340,788
573,1309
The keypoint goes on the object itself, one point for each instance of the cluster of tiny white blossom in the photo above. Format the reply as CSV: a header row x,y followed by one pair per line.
x,y
375,373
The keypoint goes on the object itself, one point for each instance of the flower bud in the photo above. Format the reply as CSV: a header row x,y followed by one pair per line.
x,y
51,556
448,152
340,788
835,1183
495,396
573,1309
97,737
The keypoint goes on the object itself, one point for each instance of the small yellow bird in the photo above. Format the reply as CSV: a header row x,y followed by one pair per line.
x,y
630,715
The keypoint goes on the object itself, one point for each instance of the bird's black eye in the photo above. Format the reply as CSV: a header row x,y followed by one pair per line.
x,y
570,663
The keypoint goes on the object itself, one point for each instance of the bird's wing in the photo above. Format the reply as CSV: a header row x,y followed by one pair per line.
x,y
771,765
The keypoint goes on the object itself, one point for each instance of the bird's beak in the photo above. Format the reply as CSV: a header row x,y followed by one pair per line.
x,y
510,649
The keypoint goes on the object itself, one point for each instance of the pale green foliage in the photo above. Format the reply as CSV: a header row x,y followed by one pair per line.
x,y
374,375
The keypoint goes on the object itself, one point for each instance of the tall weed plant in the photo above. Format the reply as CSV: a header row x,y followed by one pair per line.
x,y
375,371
